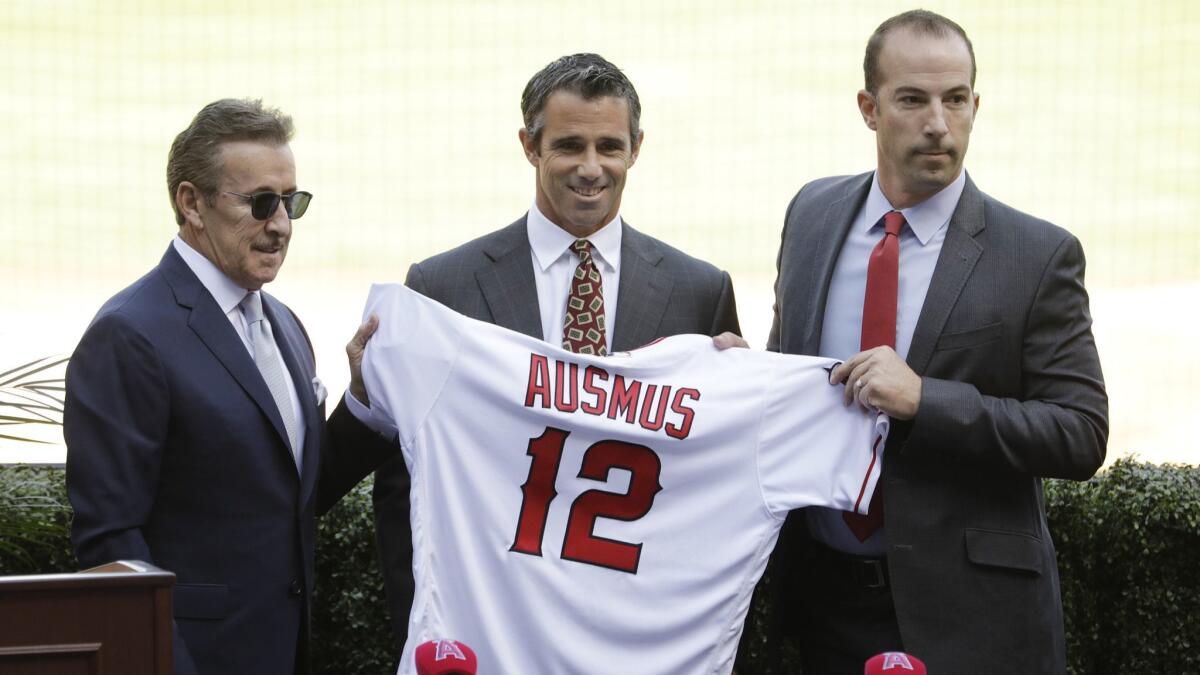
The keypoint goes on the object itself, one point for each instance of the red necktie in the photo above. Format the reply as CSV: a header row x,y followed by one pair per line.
x,y
583,327
878,329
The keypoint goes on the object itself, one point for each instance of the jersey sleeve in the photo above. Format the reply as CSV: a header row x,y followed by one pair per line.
x,y
409,358
813,450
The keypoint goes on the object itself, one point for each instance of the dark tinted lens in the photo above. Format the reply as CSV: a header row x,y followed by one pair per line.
x,y
297,203
263,204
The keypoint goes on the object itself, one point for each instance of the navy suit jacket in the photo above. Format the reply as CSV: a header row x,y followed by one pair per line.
x,y
177,455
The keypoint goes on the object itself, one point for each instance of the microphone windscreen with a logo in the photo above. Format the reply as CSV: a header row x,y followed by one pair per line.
x,y
894,663
445,657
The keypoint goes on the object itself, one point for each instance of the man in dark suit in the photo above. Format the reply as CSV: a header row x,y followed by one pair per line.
x,y
581,135
195,423
967,322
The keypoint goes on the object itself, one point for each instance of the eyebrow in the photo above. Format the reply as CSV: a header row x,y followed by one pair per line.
x,y
603,140
907,90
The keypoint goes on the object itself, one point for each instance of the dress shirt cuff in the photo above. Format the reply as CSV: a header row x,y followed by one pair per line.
x,y
368,417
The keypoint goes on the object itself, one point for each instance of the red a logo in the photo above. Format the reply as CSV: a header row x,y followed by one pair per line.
x,y
448,648
896,660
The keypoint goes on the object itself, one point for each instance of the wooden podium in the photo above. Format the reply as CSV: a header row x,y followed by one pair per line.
x,y
109,620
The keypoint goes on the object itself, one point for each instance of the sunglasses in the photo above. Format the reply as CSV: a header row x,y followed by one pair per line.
x,y
263,204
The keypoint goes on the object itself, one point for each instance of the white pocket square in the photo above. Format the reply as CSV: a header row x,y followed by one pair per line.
x,y
319,390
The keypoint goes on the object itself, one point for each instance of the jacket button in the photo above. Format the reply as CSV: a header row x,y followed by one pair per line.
x,y
294,588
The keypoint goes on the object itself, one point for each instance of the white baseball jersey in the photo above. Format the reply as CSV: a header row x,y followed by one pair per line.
x,y
579,514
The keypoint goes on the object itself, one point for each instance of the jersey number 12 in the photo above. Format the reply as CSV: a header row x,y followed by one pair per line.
x,y
579,544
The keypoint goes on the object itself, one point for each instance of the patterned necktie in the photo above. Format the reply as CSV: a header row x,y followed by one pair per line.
x,y
878,329
266,356
583,326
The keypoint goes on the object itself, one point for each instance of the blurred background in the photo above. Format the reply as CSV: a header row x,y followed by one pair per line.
x,y
407,115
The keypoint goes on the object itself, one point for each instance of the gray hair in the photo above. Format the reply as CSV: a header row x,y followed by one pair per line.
x,y
920,20
195,155
588,75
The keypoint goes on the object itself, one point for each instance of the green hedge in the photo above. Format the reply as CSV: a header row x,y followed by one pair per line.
x,y
1128,552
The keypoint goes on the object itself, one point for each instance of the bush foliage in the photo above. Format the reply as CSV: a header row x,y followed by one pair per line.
x,y
1128,552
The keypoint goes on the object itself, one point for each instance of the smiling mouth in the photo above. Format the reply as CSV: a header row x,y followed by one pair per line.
x,y
586,191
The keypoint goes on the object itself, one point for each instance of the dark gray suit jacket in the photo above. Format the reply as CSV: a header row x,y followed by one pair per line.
x,y
1011,392
663,292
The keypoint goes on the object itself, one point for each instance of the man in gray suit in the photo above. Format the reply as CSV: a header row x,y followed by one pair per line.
x,y
581,135
968,323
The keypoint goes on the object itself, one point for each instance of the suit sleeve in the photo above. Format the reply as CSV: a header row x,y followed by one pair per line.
x,y
1059,427
773,338
115,421
351,452
115,425
725,317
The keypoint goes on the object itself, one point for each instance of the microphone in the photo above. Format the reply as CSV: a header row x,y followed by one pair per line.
x,y
446,657
894,663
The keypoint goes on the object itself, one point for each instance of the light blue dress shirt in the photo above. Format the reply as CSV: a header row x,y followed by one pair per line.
x,y
920,244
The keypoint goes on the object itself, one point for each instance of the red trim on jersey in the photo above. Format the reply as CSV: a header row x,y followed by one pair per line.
x,y
870,467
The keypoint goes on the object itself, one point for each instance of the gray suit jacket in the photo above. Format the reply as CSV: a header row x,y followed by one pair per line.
x,y
1011,392
663,292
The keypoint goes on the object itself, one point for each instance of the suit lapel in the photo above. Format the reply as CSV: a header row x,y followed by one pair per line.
x,y
830,236
507,285
212,327
644,291
297,355
960,252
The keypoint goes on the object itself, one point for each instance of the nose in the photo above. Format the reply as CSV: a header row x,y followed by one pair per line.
x,y
935,124
589,165
278,222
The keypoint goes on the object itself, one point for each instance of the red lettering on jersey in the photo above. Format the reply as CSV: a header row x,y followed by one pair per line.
x,y
684,428
624,399
664,397
581,543
539,381
596,407
566,394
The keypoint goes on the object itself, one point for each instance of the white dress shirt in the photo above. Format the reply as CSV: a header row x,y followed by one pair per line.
x,y
920,244
554,264
228,296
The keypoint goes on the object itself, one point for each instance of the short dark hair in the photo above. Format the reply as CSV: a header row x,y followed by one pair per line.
x,y
919,20
588,75
195,155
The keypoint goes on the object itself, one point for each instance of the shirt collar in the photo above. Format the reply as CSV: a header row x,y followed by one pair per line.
x,y
924,219
550,242
227,293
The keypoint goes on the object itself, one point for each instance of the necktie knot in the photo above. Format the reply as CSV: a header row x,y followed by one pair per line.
x,y
583,249
892,222
252,308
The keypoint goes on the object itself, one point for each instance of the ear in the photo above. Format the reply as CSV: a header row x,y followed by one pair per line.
x,y
189,200
637,146
976,110
528,145
868,107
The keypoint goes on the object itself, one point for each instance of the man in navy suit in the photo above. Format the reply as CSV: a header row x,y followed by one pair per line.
x,y
195,423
